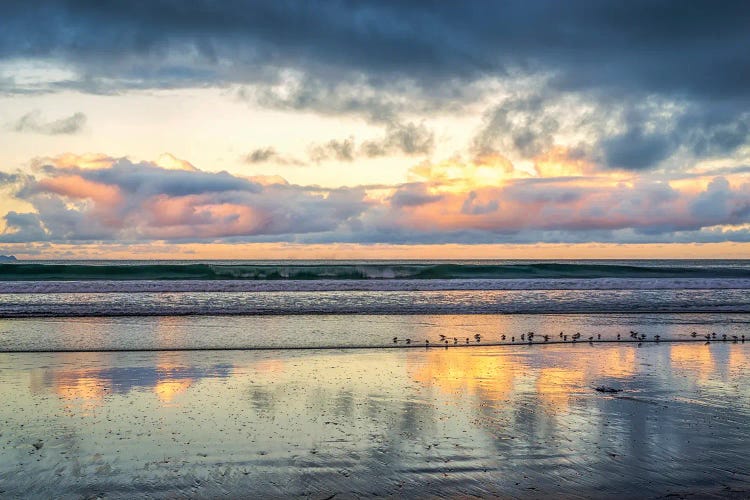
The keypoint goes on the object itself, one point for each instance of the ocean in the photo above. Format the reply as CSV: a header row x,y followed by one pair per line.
x,y
198,288
296,304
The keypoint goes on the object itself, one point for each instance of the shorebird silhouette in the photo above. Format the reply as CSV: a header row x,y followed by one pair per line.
x,y
693,334
565,338
598,336
618,336
502,337
743,338
477,337
522,337
426,343
395,339
408,341
657,337
561,334
512,339
467,340
546,338
724,337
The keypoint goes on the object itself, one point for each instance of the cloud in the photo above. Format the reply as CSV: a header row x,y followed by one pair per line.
x,y
408,139
585,44
33,122
520,124
142,201
101,198
638,85
6,178
413,195
270,155
637,150
340,150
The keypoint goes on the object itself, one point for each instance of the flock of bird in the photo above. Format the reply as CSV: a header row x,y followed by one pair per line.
x,y
529,337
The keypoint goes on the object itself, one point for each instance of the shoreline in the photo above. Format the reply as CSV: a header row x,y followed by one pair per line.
x,y
403,346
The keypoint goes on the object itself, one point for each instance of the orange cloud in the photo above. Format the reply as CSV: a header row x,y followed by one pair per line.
x,y
75,186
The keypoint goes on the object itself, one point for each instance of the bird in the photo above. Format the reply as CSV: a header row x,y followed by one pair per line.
x,y
640,344
724,337
522,337
693,334
598,336
395,339
657,337
426,343
546,338
512,339
467,340
734,338
442,337
618,336
408,341
743,338
502,337
565,338
561,334
713,334
591,339
707,337
455,340
477,337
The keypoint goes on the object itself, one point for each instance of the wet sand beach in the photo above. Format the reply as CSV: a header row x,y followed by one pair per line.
x,y
514,421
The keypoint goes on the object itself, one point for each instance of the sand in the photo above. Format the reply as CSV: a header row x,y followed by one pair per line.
x,y
487,421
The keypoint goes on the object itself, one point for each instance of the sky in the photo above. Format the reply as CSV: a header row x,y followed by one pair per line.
x,y
374,129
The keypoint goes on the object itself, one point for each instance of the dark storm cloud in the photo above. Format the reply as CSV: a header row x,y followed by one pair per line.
x,y
636,149
34,122
697,48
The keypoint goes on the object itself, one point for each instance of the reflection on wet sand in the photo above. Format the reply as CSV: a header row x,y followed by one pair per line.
x,y
424,422
170,375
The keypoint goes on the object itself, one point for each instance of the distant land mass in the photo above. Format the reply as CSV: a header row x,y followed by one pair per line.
x,y
8,258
